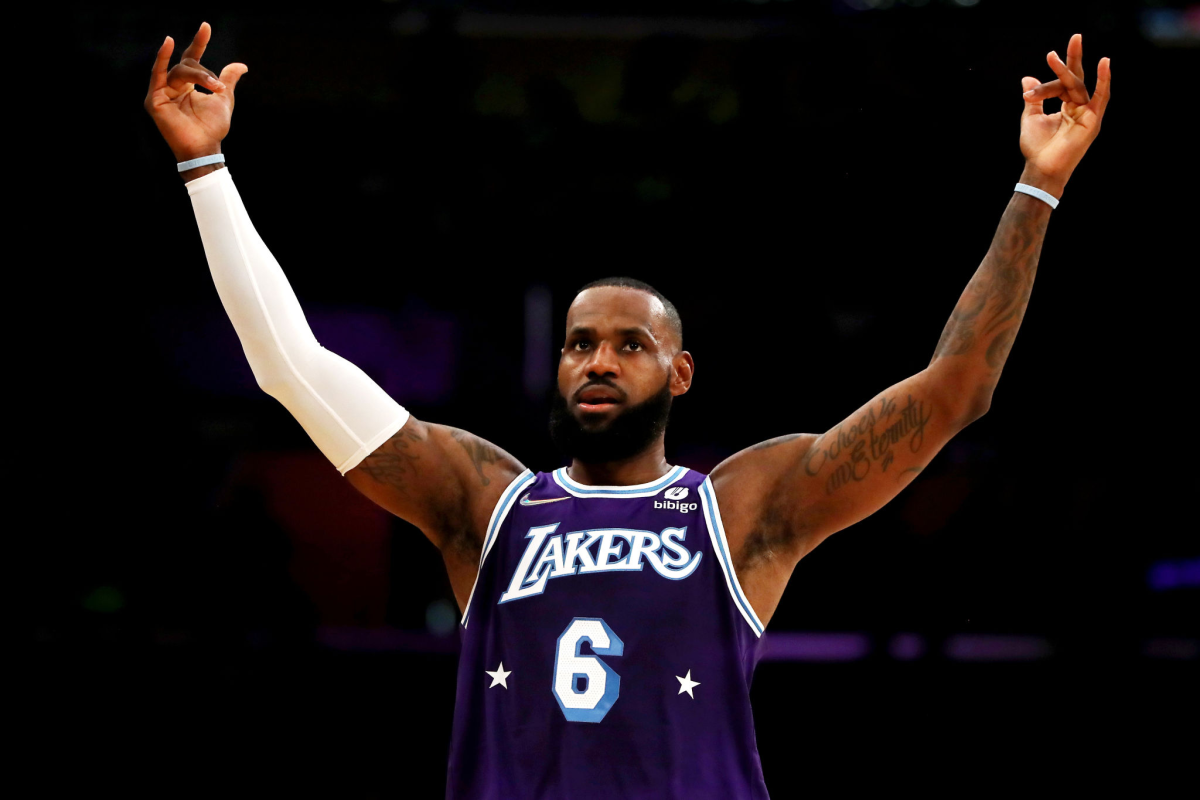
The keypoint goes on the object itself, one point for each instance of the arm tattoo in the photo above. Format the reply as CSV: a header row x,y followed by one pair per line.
x,y
992,306
394,463
854,449
778,440
959,333
480,452
997,352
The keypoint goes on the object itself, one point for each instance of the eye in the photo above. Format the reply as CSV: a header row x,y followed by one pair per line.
x,y
580,345
634,345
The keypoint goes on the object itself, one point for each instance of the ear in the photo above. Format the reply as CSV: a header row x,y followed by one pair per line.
x,y
682,370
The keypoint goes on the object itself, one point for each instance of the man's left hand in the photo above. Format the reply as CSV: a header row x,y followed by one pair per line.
x,y
1054,144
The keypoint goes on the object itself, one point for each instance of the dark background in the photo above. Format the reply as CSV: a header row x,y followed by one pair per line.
x,y
812,183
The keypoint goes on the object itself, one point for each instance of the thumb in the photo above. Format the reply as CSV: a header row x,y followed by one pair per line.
x,y
232,74
1032,105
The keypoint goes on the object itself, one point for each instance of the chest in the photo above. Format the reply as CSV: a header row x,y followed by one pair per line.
x,y
582,545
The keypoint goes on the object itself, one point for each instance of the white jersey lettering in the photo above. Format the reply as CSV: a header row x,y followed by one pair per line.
x,y
549,555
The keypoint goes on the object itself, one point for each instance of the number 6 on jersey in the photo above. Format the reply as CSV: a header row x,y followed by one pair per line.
x,y
602,686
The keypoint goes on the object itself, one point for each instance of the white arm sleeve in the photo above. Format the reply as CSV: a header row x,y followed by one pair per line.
x,y
346,413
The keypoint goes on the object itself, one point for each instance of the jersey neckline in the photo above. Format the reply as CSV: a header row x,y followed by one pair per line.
x,y
635,490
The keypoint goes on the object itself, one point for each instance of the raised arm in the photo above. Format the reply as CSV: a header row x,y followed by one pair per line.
x,y
781,498
441,479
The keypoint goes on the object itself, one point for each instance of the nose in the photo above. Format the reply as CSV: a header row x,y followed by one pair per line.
x,y
604,361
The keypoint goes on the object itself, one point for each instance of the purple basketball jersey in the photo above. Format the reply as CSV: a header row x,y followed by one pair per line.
x,y
607,648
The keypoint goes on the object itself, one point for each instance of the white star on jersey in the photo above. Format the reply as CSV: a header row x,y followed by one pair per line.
x,y
686,684
499,676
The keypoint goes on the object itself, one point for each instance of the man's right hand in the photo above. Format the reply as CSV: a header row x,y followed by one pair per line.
x,y
192,122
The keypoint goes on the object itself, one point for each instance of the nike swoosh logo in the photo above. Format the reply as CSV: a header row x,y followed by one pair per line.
x,y
525,501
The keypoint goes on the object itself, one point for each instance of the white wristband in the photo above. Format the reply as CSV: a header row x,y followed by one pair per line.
x,y
1033,191
202,161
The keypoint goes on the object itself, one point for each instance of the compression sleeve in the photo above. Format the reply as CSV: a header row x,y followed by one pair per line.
x,y
345,413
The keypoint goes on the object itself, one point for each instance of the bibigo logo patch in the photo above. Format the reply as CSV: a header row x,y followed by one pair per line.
x,y
673,497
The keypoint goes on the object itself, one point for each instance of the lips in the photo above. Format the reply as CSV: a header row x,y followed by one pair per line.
x,y
598,397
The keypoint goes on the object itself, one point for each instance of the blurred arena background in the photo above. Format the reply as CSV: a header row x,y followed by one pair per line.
x,y
812,183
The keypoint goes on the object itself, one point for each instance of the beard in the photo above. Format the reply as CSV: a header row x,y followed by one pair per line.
x,y
625,435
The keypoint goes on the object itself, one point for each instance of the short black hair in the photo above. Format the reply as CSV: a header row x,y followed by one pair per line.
x,y
673,318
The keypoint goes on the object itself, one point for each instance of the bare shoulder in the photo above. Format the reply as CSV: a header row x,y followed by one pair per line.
x,y
490,465
442,479
750,468
752,487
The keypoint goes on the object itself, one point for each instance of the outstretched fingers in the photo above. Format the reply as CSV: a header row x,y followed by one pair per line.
x,y
158,72
1075,90
1070,84
1075,56
200,41
1103,84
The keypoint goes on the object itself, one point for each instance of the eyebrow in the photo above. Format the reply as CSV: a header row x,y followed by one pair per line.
x,y
635,331
638,331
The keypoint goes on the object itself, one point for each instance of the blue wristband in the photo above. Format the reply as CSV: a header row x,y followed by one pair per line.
x,y
202,161
1033,191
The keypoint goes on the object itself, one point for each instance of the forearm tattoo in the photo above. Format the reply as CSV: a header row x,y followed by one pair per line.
x,y
986,319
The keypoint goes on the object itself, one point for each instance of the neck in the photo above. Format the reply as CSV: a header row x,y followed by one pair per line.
x,y
646,466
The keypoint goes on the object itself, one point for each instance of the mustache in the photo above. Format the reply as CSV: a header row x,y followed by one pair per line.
x,y
619,436
621,395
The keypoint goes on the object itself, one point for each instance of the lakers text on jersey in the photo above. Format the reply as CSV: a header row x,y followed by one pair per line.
x,y
607,648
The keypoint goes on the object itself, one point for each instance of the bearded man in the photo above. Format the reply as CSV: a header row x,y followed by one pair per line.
x,y
612,609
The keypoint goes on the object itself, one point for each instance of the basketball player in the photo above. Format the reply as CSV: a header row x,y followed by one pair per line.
x,y
611,610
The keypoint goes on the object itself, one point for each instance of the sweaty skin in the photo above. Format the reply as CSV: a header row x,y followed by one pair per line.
x,y
779,499
621,336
